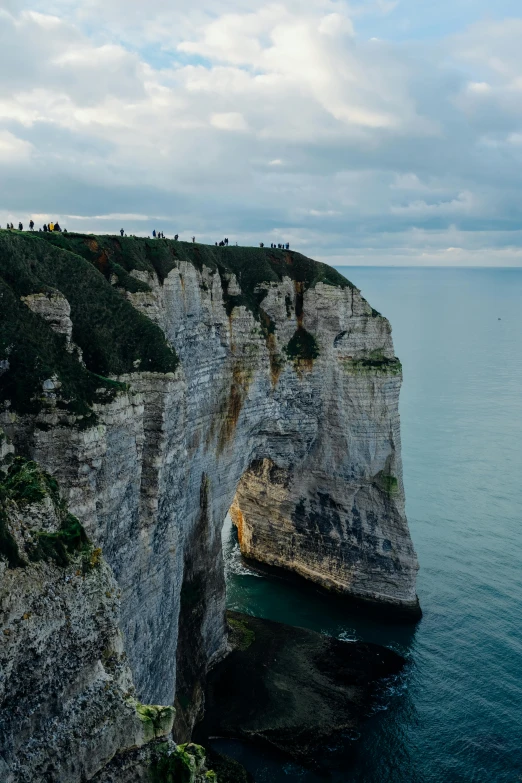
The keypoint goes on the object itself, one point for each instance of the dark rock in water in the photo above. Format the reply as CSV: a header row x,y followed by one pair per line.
x,y
227,769
292,688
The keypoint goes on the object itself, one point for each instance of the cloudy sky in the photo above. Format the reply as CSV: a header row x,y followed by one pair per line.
x,y
372,132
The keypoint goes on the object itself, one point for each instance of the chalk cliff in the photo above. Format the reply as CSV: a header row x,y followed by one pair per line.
x,y
68,706
162,384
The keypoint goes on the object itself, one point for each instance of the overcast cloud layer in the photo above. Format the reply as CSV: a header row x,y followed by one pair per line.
x,y
378,132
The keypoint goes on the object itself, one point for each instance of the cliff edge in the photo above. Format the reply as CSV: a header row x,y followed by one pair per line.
x,y
164,384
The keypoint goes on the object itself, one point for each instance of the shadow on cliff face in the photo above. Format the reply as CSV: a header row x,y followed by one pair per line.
x,y
292,689
196,594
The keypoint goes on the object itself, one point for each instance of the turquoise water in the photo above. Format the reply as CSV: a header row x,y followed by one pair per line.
x,y
456,716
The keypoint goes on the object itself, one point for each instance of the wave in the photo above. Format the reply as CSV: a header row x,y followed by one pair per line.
x,y
235,565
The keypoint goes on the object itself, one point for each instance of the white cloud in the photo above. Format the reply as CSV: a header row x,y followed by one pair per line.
x,y
231,120
13,150
259,117
479,87
336,24
408,181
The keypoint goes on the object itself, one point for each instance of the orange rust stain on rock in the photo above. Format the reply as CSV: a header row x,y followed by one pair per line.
x,y
238,520
299,302
241,380
304,365
102,260
276,360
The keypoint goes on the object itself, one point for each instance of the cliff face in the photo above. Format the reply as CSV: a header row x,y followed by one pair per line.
x,y
67,698
195,379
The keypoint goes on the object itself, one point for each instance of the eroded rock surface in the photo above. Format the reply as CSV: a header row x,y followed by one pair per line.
x,y
237,376
67,699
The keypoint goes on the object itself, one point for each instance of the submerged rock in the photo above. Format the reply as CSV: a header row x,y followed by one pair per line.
x,y
292,688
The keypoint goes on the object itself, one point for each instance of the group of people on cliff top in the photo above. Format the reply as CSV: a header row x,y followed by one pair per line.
x,y
46,227
280,246
156,234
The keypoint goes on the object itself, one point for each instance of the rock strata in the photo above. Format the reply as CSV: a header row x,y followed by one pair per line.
x,y
68,705
211,378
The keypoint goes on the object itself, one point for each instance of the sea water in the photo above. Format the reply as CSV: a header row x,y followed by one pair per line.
x,y
455,716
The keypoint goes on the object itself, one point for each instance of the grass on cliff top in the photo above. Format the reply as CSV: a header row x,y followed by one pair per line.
x,y
251,265
114,337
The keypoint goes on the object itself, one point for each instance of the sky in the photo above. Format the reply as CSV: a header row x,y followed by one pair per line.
x,y
366,132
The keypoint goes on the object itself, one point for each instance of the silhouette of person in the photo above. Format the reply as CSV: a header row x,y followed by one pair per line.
x,y
20,227
121,232
31,224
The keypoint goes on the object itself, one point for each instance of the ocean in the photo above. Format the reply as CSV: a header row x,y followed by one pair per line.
x,y
455,716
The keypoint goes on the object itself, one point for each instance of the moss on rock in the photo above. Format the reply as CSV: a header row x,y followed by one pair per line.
x,y
24,484
157,720
241,636
373,364
187,764
302,346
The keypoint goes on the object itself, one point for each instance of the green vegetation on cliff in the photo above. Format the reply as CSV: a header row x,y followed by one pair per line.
x,y
114,337
382,364
187,764
251,265
25,483
302,346
94,273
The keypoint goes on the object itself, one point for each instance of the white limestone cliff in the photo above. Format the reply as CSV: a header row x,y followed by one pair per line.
x,y
304,448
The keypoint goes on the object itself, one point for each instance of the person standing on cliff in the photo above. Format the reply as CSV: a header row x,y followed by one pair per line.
x,y
20,227
122,232
193,239
31,225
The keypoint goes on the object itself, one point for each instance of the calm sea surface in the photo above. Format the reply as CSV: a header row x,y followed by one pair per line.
x,y
456,716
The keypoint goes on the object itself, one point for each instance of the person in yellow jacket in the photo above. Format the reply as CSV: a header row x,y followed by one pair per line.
x,y
51,226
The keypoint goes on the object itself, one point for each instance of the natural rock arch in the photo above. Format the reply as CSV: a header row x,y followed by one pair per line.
x,y
283,396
